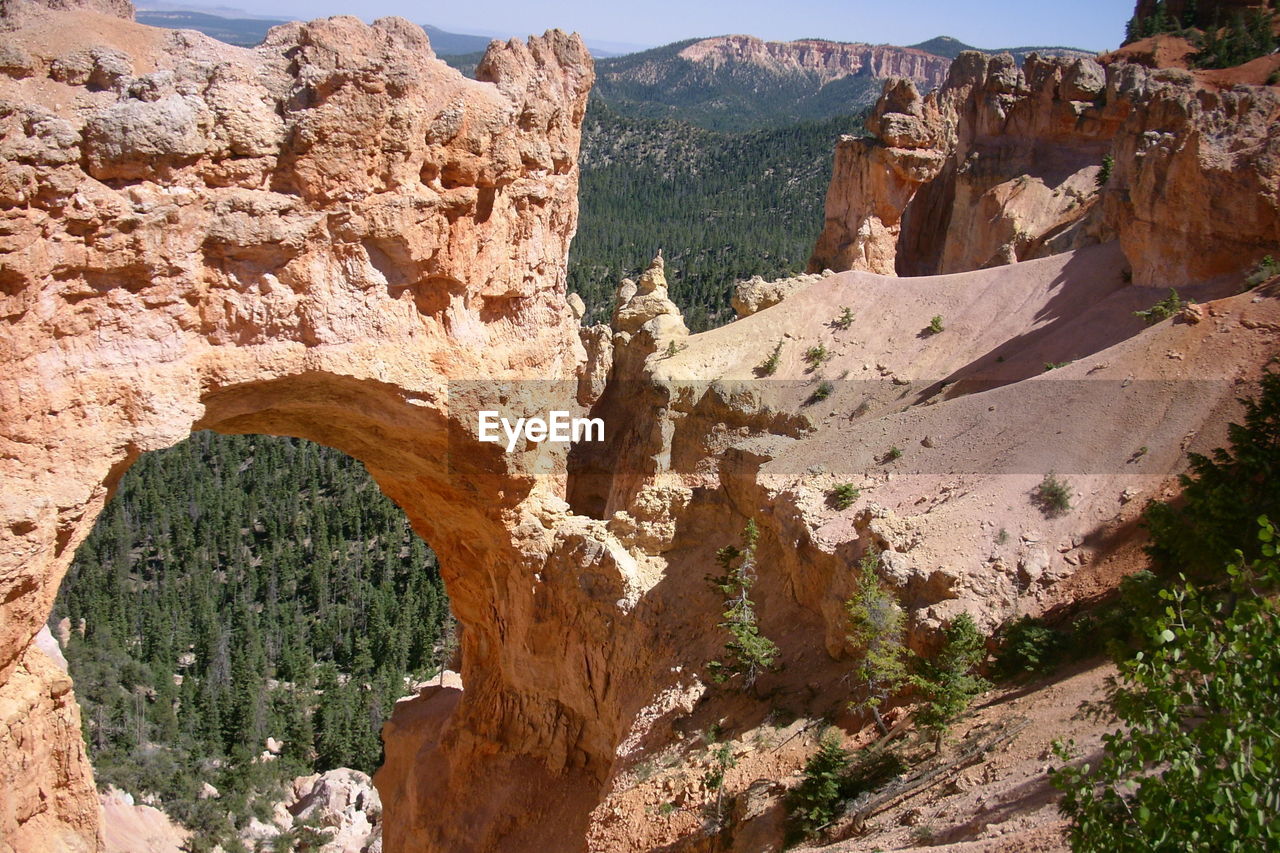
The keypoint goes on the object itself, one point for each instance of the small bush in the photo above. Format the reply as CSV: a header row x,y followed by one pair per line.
x,y
748,652
1273,79
1104,173
892,454
1028,645
815,802
948,682
843,495
1164,309
1192,766
673,349
1054,365
935,325
769,366
1053,495
822,392
815,356
1266,268
845,320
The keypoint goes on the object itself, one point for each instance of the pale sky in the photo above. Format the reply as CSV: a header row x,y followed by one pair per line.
x,y
1089,24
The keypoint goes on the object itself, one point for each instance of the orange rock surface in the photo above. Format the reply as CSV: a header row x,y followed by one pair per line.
x,y
1003,164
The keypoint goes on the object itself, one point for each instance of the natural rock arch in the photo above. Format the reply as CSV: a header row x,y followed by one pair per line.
x,y
311,238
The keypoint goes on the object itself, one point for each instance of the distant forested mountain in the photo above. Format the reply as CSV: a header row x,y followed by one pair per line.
x,y
951,48
238,588
722,206
245,32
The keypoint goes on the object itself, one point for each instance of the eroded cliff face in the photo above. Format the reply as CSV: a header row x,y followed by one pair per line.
x,y
828,60
335,236
310,238
1003,164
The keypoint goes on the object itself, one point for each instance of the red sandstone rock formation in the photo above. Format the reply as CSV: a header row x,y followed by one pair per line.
x,y
829,60
309,238
336,237
1001,164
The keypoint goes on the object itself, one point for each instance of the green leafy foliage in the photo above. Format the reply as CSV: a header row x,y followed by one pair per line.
x,y
1027,645
769,366
723,207
1164,309
1246,37
815,802
935,325
1104,173
1223,494
1194,767
832,777
1053,495
948,682
1265,269
816,355
748,652
288,596
843,495
845,320
822,392
893,454
877,630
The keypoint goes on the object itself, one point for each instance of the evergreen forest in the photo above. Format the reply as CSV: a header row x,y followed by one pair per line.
x,y
238,588
722,206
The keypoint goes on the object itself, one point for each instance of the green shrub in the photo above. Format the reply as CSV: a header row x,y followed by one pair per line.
x,y
935,324
892,454
845,320
1194,766
876,629
1053,495
1266,268
948,682
1164,309
1027,645
822,392
749,652
769,366
1104,173
814,356
815,802
1223,494
1054,365
1243,39
843,495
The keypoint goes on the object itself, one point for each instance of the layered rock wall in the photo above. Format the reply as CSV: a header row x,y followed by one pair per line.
x,y
1004,164
312,238
828,60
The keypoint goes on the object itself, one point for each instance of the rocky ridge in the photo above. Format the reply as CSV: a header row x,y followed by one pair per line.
x,y
827,60
1005,163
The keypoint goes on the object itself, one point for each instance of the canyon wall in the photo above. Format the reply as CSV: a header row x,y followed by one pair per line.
x,y
335,236
310,238
1005,163
827,60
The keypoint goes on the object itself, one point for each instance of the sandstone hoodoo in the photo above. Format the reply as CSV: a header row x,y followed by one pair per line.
x,y
337,237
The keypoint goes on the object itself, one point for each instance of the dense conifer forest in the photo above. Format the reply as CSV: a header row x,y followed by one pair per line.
x,y
722,206
238,588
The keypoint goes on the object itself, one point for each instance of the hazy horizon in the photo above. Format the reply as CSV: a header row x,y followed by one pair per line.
x,y
1089,24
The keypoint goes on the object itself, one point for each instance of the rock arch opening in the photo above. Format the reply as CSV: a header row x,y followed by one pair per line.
x,y
246,612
